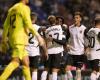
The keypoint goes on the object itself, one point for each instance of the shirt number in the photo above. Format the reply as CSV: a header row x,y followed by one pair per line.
x,y
91,42
30,38
12,20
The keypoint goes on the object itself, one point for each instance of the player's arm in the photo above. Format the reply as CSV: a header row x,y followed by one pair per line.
x,y
28,24
4,44
99,35
5,29
86,31
61,42
65,38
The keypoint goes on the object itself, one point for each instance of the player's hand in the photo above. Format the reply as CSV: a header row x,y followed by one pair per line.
x,y
87,51
46,56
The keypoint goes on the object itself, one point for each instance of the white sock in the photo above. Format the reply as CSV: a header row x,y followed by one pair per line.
x,y
34,75
93,76
54,75
44,75
69,75
78,74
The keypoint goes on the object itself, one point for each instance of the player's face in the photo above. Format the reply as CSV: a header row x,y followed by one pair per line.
x,y
26,1
59,21
77,19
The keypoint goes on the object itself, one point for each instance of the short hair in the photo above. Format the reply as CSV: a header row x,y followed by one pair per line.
x,y
34,15
60,17
52,19
51,16
78,13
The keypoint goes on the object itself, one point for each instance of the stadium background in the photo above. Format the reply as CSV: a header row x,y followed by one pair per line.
x,y
64,8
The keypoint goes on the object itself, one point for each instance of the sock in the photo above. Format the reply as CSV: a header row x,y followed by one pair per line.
x,y
44,75
78,74
69,75
54,75
26,72
93,76
8,70
34,75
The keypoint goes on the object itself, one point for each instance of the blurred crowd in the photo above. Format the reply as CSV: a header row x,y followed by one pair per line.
x,y
64,8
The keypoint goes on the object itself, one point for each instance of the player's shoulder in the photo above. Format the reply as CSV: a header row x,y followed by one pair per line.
x,y
96,30
19,7
92,29
83,26
72,26
91,32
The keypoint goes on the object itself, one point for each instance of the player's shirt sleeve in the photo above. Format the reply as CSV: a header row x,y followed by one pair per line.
x,y
27,20
6,28
99,35
86,31
61,42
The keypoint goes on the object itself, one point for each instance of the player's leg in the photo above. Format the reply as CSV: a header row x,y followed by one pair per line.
x,y
26,68
95,69
78,74
46,64
10,68
13,64
80,60
78,64
34,62
34,74
69,63
98,74
55,61
44,74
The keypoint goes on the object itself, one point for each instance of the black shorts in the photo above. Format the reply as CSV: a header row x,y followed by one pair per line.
x,y
95,64
77,60
64,59
34,61
53,61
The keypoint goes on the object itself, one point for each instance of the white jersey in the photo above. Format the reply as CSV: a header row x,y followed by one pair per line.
x,y
33,46
76,39
56,33
94,43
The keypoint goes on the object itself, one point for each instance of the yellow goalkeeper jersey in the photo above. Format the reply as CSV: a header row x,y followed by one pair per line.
x,y
17,23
